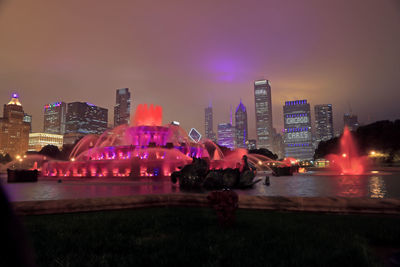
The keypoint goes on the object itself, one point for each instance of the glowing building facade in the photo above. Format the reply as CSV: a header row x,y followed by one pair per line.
x,y
208,123
226,135
323,122
297,132
86,118
28,119
54,118
38,140
14,131
241,130
263,106
122,109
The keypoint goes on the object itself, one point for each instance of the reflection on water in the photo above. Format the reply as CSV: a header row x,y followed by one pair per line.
x,y
382,185
350,186
377,187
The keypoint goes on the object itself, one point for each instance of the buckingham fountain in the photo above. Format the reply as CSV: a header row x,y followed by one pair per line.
x,y
145,148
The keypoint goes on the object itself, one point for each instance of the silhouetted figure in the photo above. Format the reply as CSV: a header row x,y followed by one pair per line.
x,y
267,182
245,165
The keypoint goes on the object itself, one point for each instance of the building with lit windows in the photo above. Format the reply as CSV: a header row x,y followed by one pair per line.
x,y
208,123
72,138
263,106
86,118
38,140
241,130
251,144
54,118
323,122
122,108
226,135
14,131
28,119
278,146
297,132
351,121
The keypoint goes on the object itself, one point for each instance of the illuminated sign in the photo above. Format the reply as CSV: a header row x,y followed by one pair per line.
x,y
194,135
296,120
298,135
52,105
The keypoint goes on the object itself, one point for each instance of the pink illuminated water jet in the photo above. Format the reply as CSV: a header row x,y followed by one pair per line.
x,y
348,161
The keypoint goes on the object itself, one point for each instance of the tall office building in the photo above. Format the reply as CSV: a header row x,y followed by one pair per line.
x,y
122,109
263,105
86,118
226,135
54,118
241,133
297,136
351,121
323,122
278,146
14,131
208,123
28,119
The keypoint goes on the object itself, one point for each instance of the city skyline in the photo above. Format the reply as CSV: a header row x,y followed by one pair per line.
x,y
311,54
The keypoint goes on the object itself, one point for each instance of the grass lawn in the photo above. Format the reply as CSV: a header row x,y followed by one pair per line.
x,y
191,237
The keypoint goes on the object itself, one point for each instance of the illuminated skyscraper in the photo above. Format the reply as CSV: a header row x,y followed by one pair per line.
x,y
86,118
28,119
323,122
241,131
14,131
297,136
208,123
54,118
351,121
262,95
122,109
226,135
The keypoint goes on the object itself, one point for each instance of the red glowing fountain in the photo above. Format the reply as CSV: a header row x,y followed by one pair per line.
x,y
348,161
147,115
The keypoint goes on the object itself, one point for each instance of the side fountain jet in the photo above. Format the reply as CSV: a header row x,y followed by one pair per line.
x,y
348,161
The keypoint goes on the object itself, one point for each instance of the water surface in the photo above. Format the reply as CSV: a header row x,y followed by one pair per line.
x,y
375,185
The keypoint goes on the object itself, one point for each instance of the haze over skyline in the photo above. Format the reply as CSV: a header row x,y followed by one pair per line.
x,y
183,55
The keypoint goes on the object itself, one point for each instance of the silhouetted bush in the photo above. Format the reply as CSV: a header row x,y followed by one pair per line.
x,y
50,151
5,158
264,152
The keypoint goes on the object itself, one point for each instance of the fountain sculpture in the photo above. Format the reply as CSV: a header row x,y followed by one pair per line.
x,y
144,148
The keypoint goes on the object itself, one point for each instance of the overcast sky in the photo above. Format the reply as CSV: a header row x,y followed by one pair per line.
x,y
184,54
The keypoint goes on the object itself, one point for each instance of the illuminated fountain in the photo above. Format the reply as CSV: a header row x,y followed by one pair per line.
x,y
348,161
144,148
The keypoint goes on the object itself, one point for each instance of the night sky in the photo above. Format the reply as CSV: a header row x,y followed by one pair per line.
x,y
184,54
